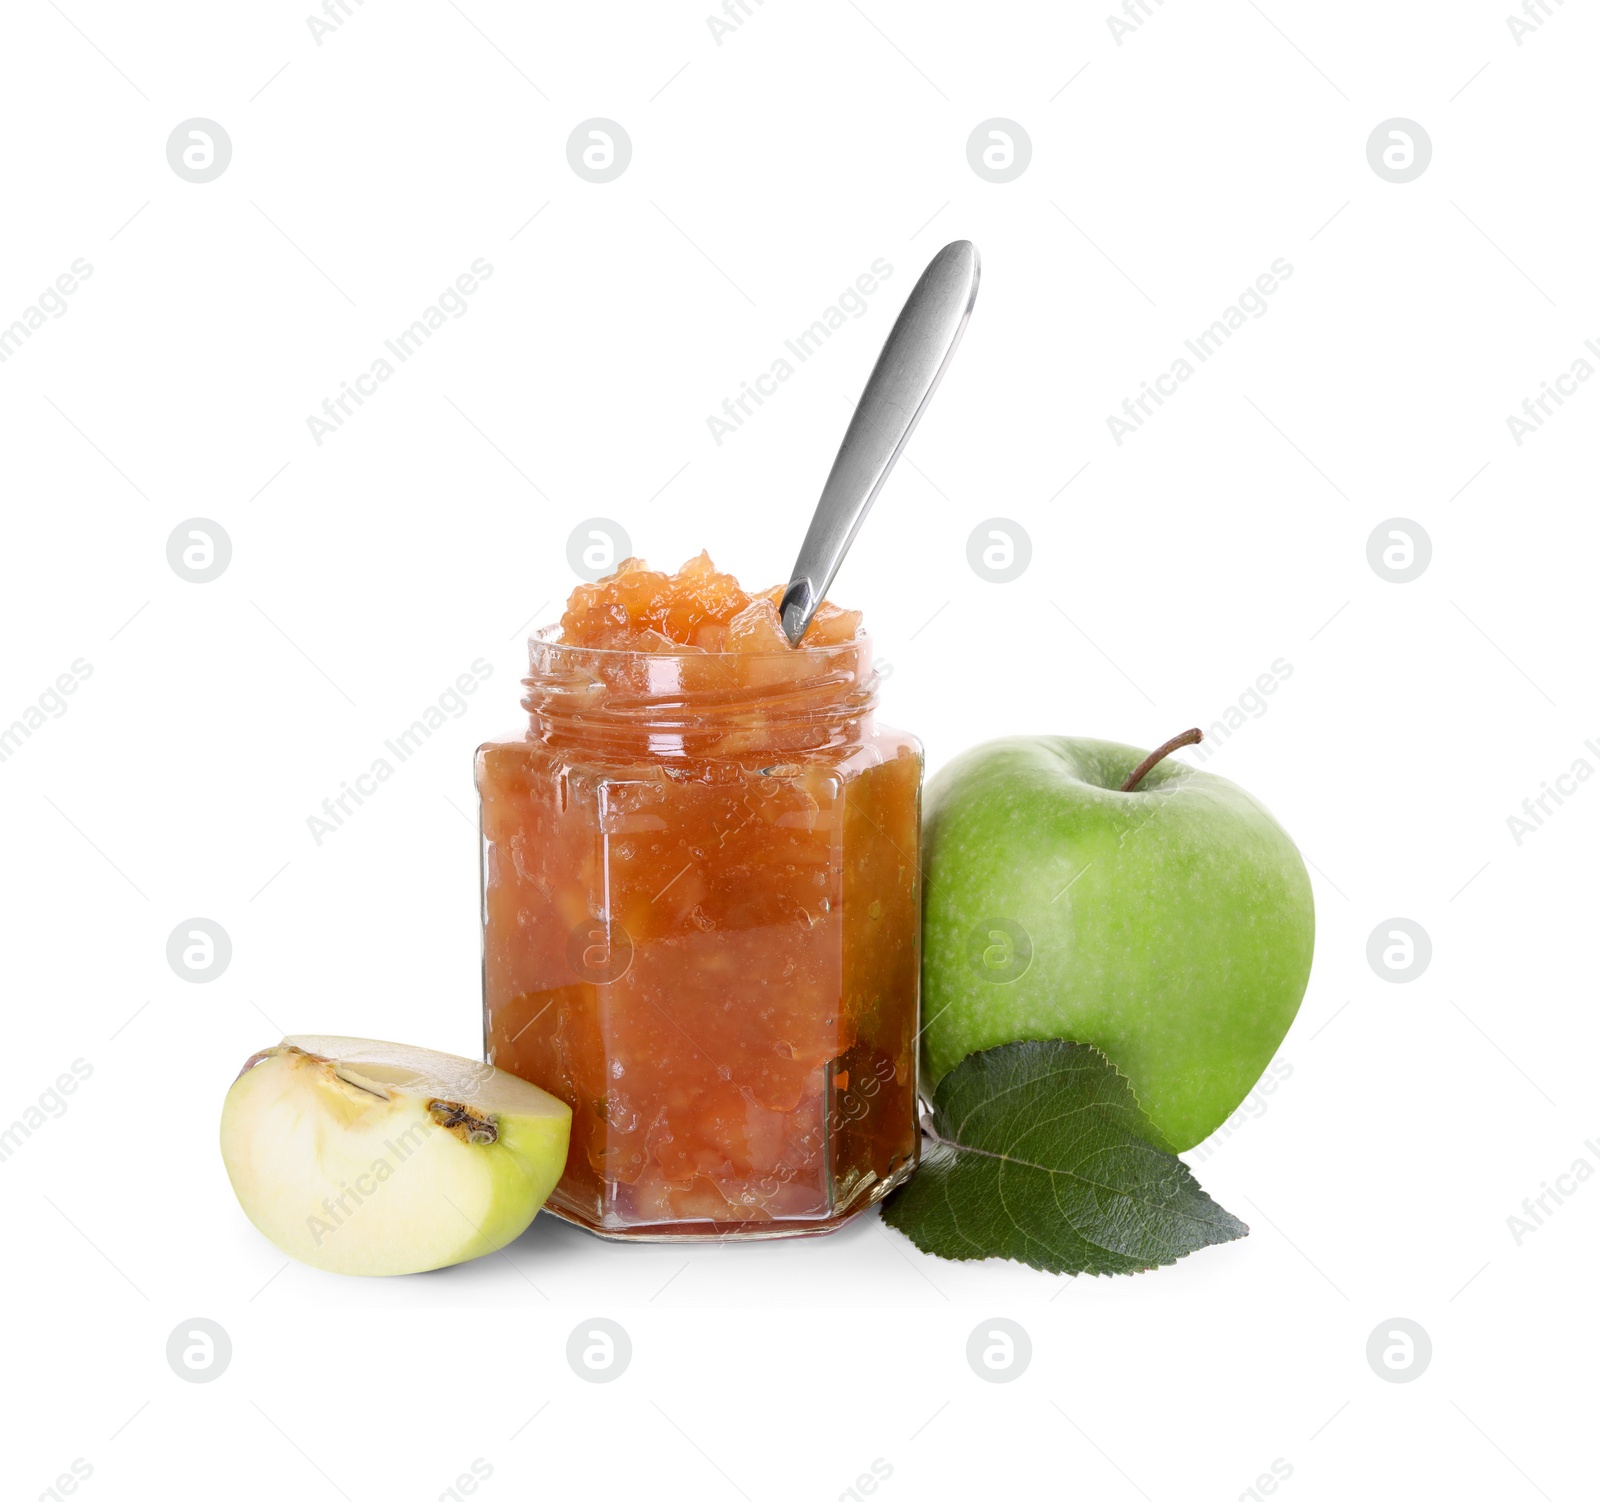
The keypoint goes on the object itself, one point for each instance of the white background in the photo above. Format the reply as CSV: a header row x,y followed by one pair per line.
x,y
768,172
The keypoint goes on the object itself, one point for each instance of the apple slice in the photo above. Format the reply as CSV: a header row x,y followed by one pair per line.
x,y
377,1158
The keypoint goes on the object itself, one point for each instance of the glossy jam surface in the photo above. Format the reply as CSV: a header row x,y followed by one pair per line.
x,y
701,911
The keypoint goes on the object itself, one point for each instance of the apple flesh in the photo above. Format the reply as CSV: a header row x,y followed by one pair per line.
x,y
1170,926
377,1158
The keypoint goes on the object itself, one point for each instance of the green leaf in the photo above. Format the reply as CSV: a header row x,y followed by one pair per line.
x,y
1040,1152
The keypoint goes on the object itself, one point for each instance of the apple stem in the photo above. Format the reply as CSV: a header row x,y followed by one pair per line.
x,y
1161,753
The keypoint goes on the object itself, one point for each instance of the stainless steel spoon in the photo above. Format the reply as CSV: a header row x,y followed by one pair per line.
x,y
914,357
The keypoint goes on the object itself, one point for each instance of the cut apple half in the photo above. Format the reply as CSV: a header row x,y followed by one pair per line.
x,y
377,1158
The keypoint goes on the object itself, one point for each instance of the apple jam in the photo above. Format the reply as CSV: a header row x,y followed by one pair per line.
x,y
701,910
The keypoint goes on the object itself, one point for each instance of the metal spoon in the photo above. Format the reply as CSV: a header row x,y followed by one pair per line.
x,y
914,357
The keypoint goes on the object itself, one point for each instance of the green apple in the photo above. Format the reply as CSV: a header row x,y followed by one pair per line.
x,y
1170,926
378,1158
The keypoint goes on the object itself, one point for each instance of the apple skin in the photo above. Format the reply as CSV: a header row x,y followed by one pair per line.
x,y
1171,927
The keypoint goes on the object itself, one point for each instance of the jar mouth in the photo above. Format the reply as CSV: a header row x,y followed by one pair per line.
x,y
547,640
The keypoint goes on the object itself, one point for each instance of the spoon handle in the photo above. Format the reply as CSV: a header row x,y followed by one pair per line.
x,y
913,359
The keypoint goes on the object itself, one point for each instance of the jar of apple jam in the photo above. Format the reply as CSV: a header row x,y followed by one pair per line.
x,y
701,906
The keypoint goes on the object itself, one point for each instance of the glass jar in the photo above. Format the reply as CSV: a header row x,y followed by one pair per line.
x,y
701,903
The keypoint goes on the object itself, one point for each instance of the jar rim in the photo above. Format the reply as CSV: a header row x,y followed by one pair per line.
x,y
546,639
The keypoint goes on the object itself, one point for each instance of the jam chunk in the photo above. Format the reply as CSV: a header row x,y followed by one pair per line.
x,y
639,609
